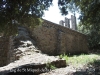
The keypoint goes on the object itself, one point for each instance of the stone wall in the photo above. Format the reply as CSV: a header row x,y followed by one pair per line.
x,y
51,38
4,49
55,39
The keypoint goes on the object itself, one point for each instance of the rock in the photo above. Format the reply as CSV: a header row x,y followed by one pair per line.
x,y
19,52
18,56
29,44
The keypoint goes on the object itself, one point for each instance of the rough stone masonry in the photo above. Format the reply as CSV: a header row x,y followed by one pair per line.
x,y
55,39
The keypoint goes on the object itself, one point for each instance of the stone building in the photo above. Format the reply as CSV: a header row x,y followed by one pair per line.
x,y
73,22
67,21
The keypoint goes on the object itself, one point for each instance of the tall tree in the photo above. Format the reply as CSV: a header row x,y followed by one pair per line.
x,y
90,19
67,5
25,12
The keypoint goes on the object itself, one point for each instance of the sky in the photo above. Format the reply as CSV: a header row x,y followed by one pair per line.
x,y
54,15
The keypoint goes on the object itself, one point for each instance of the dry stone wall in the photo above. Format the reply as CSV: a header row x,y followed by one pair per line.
x,y
55,39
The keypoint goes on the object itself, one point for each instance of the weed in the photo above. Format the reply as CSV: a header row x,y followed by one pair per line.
x,y
80,60
63,56
50,66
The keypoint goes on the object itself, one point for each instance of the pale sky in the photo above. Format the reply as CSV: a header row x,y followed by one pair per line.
x,y
54,15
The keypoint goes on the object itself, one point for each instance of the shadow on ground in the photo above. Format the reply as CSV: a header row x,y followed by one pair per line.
x,y
92,69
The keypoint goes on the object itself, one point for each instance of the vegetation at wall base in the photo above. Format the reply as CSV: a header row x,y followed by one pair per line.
x,y
50,66
80,60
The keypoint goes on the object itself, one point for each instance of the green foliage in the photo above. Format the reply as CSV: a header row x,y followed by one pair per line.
x,y
90,11
83,29
83,59
67,5
94,39
92,33
25,12
50,66
63,56
85,8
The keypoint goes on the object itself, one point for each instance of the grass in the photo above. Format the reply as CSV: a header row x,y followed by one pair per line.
x,y
50,66
82,59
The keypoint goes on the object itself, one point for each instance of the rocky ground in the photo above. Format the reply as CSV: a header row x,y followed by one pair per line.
x,y
70,70
34,59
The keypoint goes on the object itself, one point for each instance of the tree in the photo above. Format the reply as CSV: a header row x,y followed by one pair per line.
x,y
24,12
67,5
90,19
86,9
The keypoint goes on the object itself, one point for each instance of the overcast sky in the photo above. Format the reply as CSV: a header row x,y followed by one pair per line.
x,y
54,15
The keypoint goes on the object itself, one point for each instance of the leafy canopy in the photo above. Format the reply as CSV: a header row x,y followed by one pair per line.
x,y
24,12
90,16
